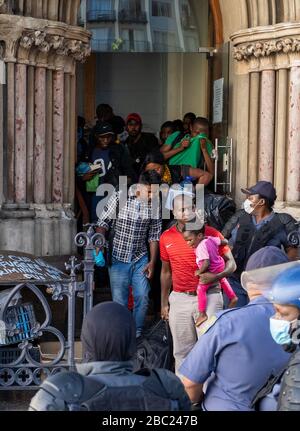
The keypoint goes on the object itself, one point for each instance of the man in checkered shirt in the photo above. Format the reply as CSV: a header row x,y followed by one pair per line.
x,y
136,223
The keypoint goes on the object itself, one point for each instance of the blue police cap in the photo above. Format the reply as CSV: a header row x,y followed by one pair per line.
x,y
262,188
266,256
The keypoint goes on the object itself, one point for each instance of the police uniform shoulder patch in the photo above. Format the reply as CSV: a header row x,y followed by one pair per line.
x,y
207,325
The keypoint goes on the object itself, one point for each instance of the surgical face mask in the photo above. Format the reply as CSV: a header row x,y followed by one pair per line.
x,y
280,330
248,206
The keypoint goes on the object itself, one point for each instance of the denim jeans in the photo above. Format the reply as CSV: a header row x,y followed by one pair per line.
x,y
122,275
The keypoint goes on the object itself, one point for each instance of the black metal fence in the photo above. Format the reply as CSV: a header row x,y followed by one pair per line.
x,y
22,364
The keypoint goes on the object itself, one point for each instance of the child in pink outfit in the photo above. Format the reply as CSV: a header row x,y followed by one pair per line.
x,y
208,259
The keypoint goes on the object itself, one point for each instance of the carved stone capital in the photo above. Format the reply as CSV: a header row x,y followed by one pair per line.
x,y
21,34
266,48
61,45
274,46
10,50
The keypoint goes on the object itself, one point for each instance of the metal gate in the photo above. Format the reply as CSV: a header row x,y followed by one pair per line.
x,y
223,166
21,365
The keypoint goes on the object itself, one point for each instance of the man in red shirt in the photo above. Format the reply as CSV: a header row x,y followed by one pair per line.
x,y
178,271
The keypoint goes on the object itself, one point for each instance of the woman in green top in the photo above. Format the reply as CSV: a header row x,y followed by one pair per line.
x,y
190,150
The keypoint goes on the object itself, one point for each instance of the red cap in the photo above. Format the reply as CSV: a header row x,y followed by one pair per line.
x,y
134,117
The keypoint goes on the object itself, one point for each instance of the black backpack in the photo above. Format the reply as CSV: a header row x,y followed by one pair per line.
x,y
155,347
218,210
159,390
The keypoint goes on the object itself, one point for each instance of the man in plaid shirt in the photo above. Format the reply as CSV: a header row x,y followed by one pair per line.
x,y
136,223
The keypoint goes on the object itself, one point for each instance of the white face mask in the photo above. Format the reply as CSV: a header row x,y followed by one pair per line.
x,y
248,206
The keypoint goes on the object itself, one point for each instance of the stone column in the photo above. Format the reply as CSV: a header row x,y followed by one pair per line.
x,y
49,135
53,9
58,135
66,156
10,132
253,128
241,124
20,133
266,135
1,143
40,136
73,140
281,129
293,163
30,132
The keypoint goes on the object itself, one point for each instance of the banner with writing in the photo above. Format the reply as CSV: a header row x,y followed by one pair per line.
x,y
15,266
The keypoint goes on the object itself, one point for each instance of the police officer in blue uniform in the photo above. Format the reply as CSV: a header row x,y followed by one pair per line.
x,y
237,352
255,227
282,392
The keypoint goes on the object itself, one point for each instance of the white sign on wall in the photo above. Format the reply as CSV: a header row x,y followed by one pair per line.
x,y
218,101
2,73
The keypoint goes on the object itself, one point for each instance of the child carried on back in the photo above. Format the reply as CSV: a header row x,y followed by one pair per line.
x,y
208,259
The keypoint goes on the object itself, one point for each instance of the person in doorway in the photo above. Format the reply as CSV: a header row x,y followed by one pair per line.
x,y
188,120
178,125
105,380
180,306
166,130
139,143
105,114
134,228
193,150
110,161
255,227
208,259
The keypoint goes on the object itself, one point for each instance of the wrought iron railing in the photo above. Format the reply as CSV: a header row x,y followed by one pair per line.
x,y
99,15
21,365
131,16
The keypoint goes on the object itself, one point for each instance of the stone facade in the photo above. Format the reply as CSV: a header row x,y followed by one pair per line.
x,y
264,106
269,59
39,115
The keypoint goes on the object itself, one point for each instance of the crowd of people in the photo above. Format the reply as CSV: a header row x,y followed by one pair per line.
x,y
228,319
114,148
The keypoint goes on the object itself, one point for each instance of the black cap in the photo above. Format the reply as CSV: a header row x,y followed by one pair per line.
x,y
103,129
262,188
